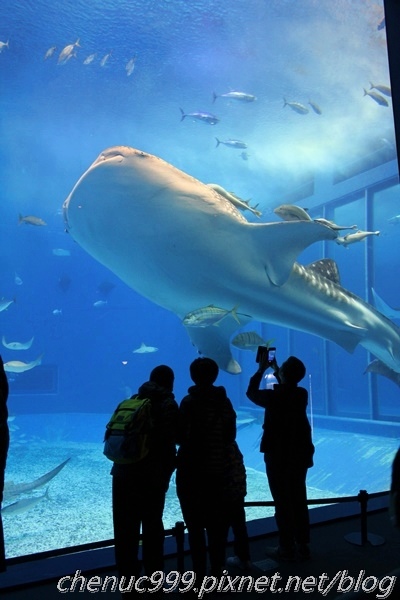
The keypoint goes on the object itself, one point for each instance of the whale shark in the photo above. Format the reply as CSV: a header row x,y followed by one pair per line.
x,y
184,246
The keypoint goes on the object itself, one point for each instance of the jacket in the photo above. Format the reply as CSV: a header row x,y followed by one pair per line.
x,y
286,430
206,431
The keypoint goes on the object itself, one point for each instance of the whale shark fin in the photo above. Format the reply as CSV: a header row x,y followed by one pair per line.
x,y
214,342
280,243
326,267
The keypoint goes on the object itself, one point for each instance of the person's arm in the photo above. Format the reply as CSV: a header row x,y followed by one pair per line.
x,y
260,397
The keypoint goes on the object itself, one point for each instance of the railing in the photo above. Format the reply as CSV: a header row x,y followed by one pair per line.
x,y
178,531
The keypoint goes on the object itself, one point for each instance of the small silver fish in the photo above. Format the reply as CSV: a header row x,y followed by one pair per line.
x,y
296,106
377,97
204,117
143,349
245,155
384,89
315,107
352,238
231,143
291,212
89,59
130,66
31,220
50,52
17,279
17,345
4,45
105,59
240,96
4,303
209,315
394,220
57,312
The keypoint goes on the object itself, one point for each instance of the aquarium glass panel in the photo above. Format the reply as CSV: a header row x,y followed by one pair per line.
x,y
223,131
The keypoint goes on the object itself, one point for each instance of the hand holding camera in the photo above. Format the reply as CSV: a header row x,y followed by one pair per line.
x,y
266,357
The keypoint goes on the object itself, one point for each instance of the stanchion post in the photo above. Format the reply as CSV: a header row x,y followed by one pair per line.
x,y
362,538
179,533
363,500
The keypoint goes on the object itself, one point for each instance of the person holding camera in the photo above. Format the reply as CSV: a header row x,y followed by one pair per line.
x,y
288,450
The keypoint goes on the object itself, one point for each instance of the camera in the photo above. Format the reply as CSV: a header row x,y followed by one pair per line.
x,y
264,351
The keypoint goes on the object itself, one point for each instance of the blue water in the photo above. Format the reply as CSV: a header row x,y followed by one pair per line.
x,y
56,119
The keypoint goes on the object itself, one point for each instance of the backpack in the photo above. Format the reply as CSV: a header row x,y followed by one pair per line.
x,y
126,439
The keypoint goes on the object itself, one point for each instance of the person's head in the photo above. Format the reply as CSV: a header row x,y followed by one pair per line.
x,y
204,371
163,376
292,371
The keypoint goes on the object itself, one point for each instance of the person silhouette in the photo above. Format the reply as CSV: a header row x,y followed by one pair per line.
x,y
206,432
4,444
288,452
139,489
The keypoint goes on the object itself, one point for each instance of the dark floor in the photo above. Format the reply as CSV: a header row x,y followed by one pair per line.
x,y
332,555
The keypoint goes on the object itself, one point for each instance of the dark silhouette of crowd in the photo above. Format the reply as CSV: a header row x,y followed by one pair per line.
x,y
4,443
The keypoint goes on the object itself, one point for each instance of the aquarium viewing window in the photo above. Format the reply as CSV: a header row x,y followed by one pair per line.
x,y
270,104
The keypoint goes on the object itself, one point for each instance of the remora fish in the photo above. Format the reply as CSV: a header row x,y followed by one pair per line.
x,y
17,366
21,506
236,201
352,238
333,225
291,212
204,252
17,345
204,117
12,489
